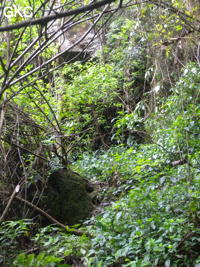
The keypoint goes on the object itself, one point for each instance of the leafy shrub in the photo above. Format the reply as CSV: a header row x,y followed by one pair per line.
x,y
127,162
157,222
90,103
58,243
129,129
12,235
177,123
40,260
55,246
154,225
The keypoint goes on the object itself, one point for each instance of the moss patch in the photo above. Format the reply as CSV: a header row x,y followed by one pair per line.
x,y
67,198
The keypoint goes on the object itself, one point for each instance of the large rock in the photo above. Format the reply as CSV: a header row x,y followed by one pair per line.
x,y
67,197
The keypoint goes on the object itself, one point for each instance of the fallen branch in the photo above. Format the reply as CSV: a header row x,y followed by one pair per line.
x,y
53,220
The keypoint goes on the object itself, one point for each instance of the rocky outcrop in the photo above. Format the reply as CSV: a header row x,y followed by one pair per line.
x,y
67,197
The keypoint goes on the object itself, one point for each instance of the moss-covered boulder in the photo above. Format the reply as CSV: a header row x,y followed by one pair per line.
x,y
67,197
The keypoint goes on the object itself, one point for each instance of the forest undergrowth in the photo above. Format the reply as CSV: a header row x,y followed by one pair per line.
x,y
127,120
148,193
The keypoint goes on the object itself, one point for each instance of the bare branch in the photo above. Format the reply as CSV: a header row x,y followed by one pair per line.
x,y
52,219
22,148
31,83
16,190
3,65
46,19
9,83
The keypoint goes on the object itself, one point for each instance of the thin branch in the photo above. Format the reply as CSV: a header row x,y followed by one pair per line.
x,y
183,16
3,65
22,148
52,219
38,51
60,65
9,83
16,190
46,19
20,37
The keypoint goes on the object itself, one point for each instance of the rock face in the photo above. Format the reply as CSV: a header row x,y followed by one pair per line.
x,y
67,197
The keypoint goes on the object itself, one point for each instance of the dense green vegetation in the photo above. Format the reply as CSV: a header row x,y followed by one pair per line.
x,y
127,119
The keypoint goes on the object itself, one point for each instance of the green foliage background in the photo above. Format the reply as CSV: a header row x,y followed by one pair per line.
x,y
129,121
